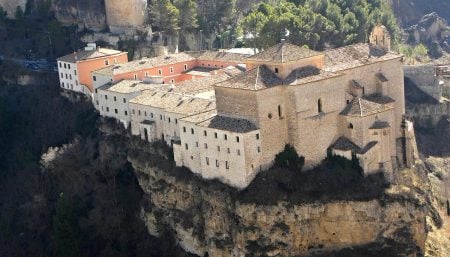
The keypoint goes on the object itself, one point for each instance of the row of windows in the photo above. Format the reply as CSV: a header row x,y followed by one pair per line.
x,y
68,76
66,65
186,146
227,165
209,65
161,117
225,136
115,110
68,86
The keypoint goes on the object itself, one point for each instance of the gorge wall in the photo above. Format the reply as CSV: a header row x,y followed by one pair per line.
x,y
207,217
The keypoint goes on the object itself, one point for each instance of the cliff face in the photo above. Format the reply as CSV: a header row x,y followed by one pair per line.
x,y
10,6
90,13
208,217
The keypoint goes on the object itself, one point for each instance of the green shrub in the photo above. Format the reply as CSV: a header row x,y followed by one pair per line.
x,y
289,159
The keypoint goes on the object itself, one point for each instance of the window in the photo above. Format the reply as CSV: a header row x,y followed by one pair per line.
x,y
186,146
107,109
176,121
205,133
106,97
227,166
276,70
238,152
192,157
67,77
215,134
172,81
65,66
139,112
145,114
60,65
196,144
97,102
206,146
259,149
62,75
151,115
218,148
76,82
62,84
280,113
160,72
116,111
225,137
106,62
184,129
124,100
115,99
70,76
160,117
134,112
217,163
169,120
68,66
237,139
348,101
126,113
96,91
350,126
75,72
319,106
228,150
171,69
135,76
192,131
207,161
185,67
257,136
94,78
146,73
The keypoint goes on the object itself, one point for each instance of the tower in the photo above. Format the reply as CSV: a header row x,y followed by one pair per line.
x,y
380,37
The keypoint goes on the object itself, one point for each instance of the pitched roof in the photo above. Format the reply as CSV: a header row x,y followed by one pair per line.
x,y
380,125
229,124
361,107
282,53
344,144
218,56
87,55
128,86
174,102
356,55
258,78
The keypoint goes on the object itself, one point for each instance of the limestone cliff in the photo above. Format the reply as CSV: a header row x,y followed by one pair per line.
x,y
208,217
89,13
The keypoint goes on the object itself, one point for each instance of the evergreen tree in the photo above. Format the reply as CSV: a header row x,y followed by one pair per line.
x,y
188,17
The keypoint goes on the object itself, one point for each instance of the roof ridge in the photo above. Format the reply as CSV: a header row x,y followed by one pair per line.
x,y
360,106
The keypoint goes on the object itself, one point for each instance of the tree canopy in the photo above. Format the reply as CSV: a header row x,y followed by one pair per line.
x,y
316,23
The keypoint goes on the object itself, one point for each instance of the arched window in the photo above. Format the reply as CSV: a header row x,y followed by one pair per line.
x,y
319,106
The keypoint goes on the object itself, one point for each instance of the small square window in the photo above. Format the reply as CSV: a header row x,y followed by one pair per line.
x,y
237,139
215,134
225,137
116,111
107,109
126,113
184,129
276,70
124,100
257,136
115,99
205,133
94,78
106,97
106,62
192,131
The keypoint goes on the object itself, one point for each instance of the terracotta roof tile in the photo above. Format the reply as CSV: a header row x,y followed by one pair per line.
x,y
282,53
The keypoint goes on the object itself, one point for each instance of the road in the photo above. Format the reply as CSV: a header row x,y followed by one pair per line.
x,y
40,65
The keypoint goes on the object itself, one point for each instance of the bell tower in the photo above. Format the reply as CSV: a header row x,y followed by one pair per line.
x,y
380,37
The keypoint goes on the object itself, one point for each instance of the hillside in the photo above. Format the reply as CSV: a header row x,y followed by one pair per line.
x,y
409,12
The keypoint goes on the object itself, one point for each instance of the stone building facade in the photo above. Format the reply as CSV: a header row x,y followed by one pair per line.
x,y
227,123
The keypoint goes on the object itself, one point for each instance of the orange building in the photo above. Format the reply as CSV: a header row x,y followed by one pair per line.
x,y
75,69
173,68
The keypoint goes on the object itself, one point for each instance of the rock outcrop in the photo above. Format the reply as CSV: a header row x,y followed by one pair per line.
x,y
89,14
207,217
10,6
